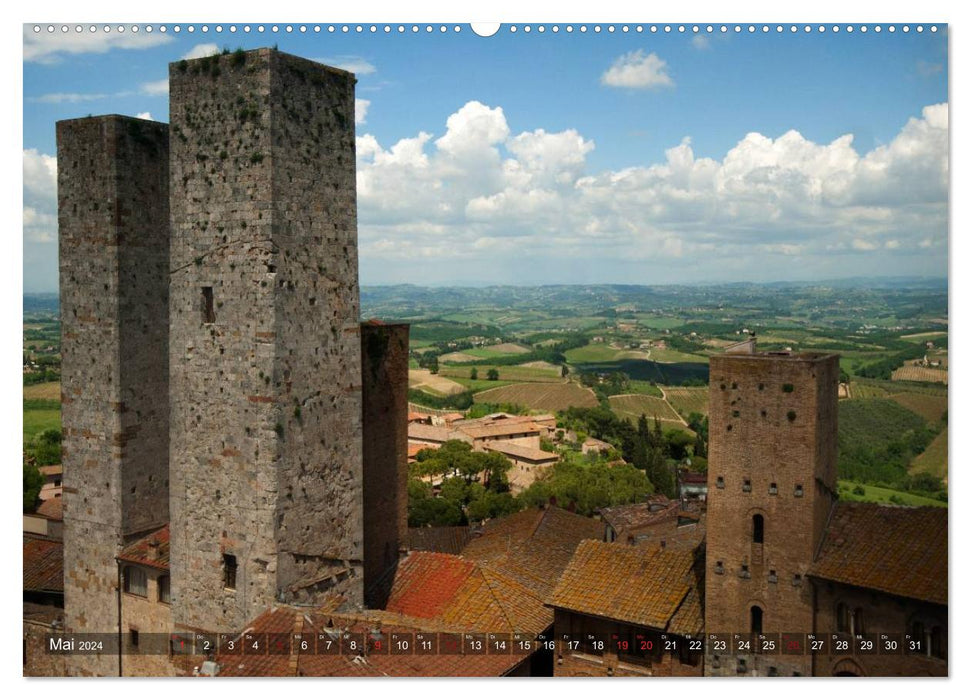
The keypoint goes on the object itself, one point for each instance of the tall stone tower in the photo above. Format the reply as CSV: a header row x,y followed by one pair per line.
x,y
771,487
384,374
113,220
265,340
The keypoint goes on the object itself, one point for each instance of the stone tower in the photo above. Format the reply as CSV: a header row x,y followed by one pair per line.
x,y
771,487
264,335
384,373
113,220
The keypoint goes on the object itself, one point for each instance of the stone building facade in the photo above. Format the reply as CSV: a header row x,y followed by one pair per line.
x,y
113,211
265,345
772,485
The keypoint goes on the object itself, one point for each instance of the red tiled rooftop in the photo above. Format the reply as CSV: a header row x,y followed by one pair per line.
x,y
52,509
894,549
643,586
426,582
150,550
43,565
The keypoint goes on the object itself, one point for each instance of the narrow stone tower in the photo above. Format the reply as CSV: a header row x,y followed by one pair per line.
x,y
771,487
384,374
113,220
265,340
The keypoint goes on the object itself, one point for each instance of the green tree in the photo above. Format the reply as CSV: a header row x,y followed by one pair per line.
x,y
32,485
492,375
474,374
46,447
492,505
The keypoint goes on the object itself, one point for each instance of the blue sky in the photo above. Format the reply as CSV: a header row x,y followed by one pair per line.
x,y
582,157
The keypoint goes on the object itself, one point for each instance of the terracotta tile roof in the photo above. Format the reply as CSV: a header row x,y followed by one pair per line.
x,y
415,447
291,620
521,452
43,565
459,594
637,515
415,416
499,536
444,539
690,618
52,470
52,509
151,550
433,433
894,549
426,582
498,429
533,546
644,586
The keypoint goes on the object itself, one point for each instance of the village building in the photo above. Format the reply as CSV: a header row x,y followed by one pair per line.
x,y
529,463
51,488
47,520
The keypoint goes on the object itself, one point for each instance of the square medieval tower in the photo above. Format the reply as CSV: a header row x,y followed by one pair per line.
x,y
266,448
113,224
771,487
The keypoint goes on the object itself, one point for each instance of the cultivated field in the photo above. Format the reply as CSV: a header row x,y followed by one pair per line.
x,y
456,357
927,405
910,373
510,373
688,400
865,390
934,458
498,350
634,405
47,390
878,494
543,397
424,380
39,419
669,355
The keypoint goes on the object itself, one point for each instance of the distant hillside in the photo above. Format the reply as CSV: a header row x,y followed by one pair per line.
x,y
34,303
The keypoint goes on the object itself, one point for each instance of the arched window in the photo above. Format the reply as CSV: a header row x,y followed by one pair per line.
x,y
756,619
858,625
758,529
164,592
134,581
842,618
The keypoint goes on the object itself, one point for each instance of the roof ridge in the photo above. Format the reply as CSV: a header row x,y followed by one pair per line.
x,y
496,598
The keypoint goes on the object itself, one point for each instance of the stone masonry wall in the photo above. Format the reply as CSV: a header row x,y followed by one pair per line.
x,y
773,425
113,248
384,367
265,354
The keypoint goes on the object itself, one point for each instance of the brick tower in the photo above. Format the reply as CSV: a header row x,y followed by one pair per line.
x,y
113,220
265,340
771,487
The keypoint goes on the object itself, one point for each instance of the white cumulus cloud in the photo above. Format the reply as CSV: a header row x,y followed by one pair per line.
x,y
51,47
360,110
201,51
353,64
480,192
40,197
638,70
